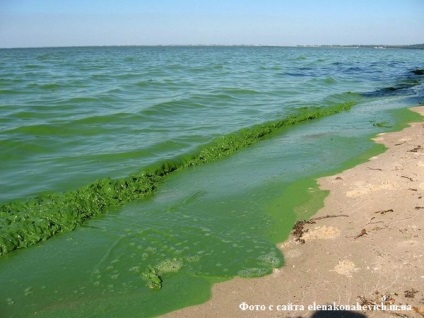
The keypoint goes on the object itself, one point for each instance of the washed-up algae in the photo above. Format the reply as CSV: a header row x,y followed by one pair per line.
x,y
24,223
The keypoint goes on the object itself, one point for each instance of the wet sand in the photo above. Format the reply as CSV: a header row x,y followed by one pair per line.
x,y
363,251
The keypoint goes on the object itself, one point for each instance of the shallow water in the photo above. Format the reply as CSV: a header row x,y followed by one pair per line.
x,y
72,115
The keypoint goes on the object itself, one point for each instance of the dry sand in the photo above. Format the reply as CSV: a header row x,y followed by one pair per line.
x,y
372,253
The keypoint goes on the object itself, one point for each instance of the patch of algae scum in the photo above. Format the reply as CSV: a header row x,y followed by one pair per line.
x,y
24,223
304,198
186,278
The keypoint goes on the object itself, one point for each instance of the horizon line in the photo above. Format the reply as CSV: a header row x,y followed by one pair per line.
x,y
222,45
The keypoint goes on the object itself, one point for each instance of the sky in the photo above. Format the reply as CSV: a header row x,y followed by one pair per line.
x,y
43,23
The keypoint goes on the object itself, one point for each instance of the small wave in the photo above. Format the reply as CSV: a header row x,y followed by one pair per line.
x,y
7,92
26,115
115,90
214,96
419,90
418,71
201,69
33,66
301,72
148,83
92,125
47,86
128,76
323,81
129,59
23,145
270,68
405,87
50,86
102,119
217,66
116,155
329,80
353,70
42,130
171,107
337,100
82,100
100,77
240,91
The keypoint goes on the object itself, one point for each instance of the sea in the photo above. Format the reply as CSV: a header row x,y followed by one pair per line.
x,y
72,116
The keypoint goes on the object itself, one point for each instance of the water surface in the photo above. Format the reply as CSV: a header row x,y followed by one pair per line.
x,y
69,116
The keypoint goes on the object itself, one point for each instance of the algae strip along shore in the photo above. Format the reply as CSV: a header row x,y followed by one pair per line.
x,y
24,223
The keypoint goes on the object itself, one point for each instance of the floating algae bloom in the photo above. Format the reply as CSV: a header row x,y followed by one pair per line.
x,y
24,223
153,274
154,281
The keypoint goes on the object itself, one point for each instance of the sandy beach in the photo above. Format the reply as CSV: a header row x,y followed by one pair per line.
x,y
363,251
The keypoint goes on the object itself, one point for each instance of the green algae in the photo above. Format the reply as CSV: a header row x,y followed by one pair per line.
x,y
24,223
151,275
304,197
300,199
182,284
382,124
229,144
403,117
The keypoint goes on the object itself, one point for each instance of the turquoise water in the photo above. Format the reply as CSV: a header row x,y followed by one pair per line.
x,y
70,116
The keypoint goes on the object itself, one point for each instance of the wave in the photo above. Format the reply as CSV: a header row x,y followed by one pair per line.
x,y
102,119
170,107
240,91
324,81
24,223
405,86
45,86
72,127
8,92
33,66
153,84
41,130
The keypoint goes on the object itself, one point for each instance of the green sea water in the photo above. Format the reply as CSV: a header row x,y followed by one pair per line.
x,y
71,116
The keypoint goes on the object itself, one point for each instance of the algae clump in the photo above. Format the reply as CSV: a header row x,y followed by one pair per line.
x,y
154,281
24,223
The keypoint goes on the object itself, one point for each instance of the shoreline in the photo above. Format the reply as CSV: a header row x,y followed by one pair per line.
x,y
362,250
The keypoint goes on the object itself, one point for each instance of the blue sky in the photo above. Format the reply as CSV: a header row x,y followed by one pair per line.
x,y
35,23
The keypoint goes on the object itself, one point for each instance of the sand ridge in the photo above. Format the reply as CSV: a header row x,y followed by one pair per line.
x,y
365,247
